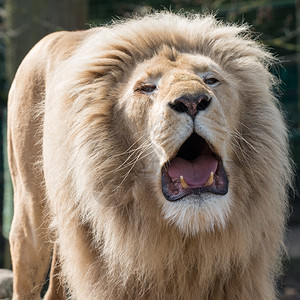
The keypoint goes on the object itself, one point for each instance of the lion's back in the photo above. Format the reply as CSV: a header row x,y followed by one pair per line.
x,y
26,98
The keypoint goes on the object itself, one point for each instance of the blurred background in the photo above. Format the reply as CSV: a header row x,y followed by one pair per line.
x,y
275,22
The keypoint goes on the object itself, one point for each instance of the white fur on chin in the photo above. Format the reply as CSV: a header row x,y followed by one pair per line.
x,y
192,215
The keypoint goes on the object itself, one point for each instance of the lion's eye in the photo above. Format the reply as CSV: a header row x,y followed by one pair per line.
x,y
146,88
211,81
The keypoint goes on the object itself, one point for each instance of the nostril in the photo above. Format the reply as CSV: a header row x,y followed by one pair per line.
x,y
202,97
203,104
179,106
191,104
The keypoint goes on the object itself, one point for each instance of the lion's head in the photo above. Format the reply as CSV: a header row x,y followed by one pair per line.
x,y
176,104
169,131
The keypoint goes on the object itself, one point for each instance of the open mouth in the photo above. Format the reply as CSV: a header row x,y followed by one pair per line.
x,y
195,169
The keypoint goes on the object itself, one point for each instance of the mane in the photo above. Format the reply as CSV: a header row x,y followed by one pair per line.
x,y
130,236
111,52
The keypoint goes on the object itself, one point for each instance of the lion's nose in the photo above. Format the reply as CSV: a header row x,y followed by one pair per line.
x,y
191,104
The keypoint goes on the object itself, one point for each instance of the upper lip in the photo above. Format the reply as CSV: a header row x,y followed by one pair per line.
x,y
195,169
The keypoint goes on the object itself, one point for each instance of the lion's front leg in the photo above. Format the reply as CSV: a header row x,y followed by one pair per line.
x,y
29,250
55,290
81,266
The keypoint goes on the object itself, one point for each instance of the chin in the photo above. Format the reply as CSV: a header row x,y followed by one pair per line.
x,y
198,213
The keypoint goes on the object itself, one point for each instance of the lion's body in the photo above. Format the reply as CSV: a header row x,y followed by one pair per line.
x,y
87,144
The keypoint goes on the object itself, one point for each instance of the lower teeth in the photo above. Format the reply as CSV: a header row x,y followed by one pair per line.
x,y
183,183
210,180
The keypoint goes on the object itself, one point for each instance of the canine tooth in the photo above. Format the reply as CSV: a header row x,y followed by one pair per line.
x,y
210,180
183,183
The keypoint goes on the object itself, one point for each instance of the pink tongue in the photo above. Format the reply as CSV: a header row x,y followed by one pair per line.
x,y
196,172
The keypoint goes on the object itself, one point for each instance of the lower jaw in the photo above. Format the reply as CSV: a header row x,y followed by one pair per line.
x,y
173,191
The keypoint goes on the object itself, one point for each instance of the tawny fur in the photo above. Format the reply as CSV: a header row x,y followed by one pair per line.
x,y
99,147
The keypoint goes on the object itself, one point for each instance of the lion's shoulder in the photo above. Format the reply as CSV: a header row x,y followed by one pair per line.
x,y
40,63
51,50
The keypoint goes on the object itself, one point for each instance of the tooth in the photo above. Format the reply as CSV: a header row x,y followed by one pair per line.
x,y
210,180
183,183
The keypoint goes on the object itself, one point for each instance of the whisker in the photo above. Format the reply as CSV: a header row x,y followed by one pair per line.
x,y
139,157
129,160
241,138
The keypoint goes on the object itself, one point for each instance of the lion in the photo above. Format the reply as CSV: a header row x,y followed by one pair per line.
x,y
150,159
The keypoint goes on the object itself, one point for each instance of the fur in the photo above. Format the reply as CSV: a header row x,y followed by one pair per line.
x,y
101,147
